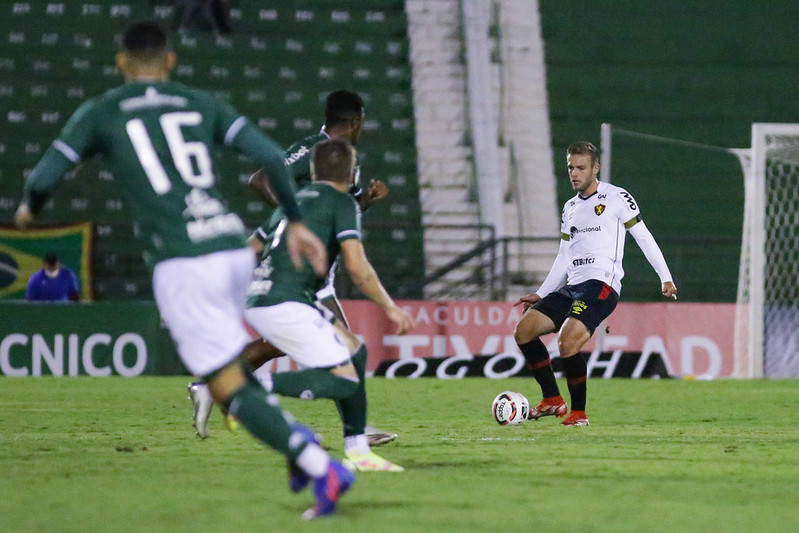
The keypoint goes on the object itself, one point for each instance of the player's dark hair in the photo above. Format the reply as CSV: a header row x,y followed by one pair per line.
x,y
584,148
333,160
145,40
50,259
342,106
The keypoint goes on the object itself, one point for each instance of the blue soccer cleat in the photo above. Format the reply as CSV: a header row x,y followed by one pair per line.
x,y
329,489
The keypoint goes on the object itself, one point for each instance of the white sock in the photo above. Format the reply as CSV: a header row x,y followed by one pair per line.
x,y
356,445
264,377
313,460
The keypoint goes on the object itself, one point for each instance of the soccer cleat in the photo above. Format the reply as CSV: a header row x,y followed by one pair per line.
x,y
200,397
376,437
548,407
370,462
329,489
231,423
298,479
576,418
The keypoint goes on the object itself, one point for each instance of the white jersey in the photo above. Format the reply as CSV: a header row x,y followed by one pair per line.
x,y
595,229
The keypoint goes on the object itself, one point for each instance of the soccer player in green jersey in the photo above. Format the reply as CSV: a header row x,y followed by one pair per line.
x,y
156,137
282,302
344,116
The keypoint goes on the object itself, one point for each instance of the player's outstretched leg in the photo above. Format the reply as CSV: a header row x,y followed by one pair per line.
x,y
537,357
260,413
359,455
201,399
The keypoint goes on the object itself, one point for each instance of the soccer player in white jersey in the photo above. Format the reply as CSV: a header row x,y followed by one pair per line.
x,y
583,285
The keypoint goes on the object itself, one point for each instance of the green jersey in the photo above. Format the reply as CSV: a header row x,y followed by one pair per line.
x,y
333,216
157,139
297,159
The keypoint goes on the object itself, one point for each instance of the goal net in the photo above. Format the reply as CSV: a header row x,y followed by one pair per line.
x,y
767,321
766,326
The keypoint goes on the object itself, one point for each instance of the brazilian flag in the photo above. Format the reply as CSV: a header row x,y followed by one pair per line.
x,y
22,254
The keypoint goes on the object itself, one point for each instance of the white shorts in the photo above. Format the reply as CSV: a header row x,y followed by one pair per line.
x,y
329,289
301,332
201,301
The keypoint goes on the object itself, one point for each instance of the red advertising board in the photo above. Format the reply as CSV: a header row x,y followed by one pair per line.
x,y
693,339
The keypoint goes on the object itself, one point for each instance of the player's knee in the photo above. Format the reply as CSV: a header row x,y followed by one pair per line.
x,y
568,345
523,333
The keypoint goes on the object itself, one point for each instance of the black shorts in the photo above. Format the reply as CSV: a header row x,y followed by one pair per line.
x,y
590,302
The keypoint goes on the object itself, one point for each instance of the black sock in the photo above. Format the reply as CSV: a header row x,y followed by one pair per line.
x,y
538,361
577,379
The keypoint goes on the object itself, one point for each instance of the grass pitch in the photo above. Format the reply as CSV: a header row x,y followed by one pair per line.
x,y
119,455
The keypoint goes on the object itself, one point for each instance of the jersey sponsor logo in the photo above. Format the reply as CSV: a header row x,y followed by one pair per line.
x,y
259,288
209,228
305,193
200,204
583,261
578,306
599,209
629,199
296,156
590,229
152,98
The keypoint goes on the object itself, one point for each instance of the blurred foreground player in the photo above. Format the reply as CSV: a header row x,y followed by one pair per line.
x,y
157,138
283,309
344,118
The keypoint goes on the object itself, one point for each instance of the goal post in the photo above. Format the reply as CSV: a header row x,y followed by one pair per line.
x,y
766,329
769,275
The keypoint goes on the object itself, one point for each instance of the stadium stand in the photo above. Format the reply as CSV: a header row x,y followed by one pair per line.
x,y
276,67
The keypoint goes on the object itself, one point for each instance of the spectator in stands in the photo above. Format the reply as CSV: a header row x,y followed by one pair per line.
x,y
162,136
201,15
344,115
53,283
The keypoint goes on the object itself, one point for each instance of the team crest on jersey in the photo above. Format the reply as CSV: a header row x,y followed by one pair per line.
x,y
599,209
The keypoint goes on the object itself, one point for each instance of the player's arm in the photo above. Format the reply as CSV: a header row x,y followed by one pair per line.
x,y
363,275
45,176
264,151
76,141
259,182
554,280
300,241
643,237
375,191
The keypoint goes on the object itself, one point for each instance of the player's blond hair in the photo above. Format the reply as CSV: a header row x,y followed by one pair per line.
x,y
333,160
584,148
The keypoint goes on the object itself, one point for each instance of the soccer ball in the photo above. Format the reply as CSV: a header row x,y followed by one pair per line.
x,y
510,408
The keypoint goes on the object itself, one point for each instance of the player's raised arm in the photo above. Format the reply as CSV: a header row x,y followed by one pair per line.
x,y
643,237
363,275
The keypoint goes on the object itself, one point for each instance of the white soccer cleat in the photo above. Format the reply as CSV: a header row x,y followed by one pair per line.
x,y
377,437
200,397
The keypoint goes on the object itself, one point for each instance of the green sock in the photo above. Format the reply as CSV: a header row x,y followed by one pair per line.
x,y
313,383
352,409
260,413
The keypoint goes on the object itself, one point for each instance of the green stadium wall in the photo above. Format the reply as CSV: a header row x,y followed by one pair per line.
x,y
696,71
276,67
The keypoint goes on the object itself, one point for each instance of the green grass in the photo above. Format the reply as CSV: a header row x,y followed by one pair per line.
x,y
119,455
